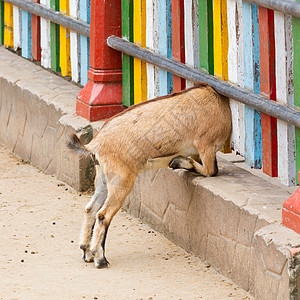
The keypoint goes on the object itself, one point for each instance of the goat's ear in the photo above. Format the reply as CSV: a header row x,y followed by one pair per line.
x,y
75,145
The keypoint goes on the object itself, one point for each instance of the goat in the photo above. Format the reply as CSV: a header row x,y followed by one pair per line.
x,y
182,130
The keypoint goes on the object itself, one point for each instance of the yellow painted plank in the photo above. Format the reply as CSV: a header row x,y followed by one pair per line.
x,y
217,38
65,61
139,38
8,25
220,29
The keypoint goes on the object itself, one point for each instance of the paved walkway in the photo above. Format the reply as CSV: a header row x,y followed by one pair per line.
x,y
40,220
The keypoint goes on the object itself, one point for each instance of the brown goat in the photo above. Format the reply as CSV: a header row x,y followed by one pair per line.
x,y
183,130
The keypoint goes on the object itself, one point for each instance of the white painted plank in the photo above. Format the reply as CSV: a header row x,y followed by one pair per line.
x,y
75,43
17,23
156,45
189,35
285,95
236,71
45,39
150,45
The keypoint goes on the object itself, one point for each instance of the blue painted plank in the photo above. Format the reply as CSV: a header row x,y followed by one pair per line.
x,y
162,45
169,42
257,116
84,42
251,81
26,34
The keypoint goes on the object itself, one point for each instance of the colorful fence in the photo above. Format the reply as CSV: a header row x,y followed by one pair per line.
x,y
236,41
54,46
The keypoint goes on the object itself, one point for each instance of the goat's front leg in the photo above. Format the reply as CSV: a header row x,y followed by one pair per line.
x,y
91,210
207,167
116,197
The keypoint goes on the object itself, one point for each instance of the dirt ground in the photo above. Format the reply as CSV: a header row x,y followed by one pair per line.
x,y
40,219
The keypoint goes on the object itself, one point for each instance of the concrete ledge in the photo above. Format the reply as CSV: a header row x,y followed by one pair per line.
x,y
232,221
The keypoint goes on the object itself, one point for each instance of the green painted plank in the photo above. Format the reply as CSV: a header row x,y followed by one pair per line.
x,y
54,37
206,51
1,22
296,36
127,61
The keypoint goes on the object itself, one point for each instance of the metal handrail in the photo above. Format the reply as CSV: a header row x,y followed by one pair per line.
x,y
225,88
52,15
288,7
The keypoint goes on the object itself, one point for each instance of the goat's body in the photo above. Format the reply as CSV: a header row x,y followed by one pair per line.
x,y
178,131
161,128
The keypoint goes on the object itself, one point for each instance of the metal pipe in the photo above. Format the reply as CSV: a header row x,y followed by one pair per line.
x,y
54,16
288,7
244,96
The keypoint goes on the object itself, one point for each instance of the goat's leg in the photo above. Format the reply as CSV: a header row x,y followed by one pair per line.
x,y
90,212
118,189
157,163
207,167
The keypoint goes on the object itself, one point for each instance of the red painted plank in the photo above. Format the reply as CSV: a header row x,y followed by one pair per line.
x,y
36,36
178,53
268,89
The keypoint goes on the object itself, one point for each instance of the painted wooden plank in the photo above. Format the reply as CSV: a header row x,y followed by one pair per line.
x,y
8,25
139,36
163,45
1,22
26,34
45,39
177,39
257,137
233,46
54,36
150,45
206,49
17,23
36,36
241,107
64,61
220,39
84,42
156,44
75,43
189,36
169,45
253,151
268,89
285,95
296,43
127,61
144,64
220,30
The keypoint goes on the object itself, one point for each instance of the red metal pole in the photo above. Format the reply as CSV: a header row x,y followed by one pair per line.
x,y
102,96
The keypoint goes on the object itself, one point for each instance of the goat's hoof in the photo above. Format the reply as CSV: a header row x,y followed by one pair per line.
x,y
175,163
83,247
88,256
101,263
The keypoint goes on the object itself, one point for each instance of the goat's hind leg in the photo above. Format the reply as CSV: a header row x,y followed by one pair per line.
x,y
118,189
90,212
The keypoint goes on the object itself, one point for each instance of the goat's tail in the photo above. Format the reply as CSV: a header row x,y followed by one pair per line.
x,y
75,145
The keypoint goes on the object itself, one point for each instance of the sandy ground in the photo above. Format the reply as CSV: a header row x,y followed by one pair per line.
x,y
40,221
